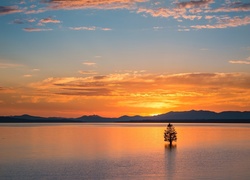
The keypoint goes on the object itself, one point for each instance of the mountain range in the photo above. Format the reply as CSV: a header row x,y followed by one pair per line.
x,y
180,116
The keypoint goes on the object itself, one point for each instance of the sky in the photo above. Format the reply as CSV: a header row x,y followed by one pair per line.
x,y
69,58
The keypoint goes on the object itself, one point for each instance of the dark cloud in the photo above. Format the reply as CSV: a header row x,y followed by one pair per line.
x,y
9,10
18,21
85,92
87,84
99,77
35,29
194,4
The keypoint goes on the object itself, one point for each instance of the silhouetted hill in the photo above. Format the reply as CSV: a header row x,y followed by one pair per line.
x,y
189,115
94,118
181,116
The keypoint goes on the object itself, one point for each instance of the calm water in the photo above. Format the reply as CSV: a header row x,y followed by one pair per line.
x,y
124,151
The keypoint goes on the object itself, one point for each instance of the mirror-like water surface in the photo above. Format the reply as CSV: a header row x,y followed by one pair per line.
x,y
124,151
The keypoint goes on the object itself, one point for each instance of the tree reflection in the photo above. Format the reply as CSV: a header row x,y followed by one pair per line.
x,y
170,147
170,158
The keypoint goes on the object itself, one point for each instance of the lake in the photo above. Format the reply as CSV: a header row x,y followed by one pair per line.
x,y
124,151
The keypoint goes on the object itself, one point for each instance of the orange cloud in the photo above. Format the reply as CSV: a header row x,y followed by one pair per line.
x,y
9,65
133,93
194,4
27,75
89,63
163,12
225,23
247,61
88,72
96,4
49,20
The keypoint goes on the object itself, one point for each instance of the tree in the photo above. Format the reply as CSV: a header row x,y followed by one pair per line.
x,y
170,134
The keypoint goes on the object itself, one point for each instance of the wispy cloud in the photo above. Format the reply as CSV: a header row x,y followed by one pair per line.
x,y
225,23
90,28
9,65
246,61
36,29
89,63
143,93
9,10
231,7
87,72
23,21
194,4
163,12
199,9
142,82
95,4
49,20
35,70
33,11
27,75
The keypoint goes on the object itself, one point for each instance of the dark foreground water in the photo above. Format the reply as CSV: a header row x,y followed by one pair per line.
x,y
124,151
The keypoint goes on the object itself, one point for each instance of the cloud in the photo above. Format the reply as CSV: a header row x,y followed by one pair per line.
x,y
23,21
49,20
209,17
163,12
90,28
138,93
194,4
27,75
247,61
89,63
9,10
124,83
33,11
195,10
94,4
36,29
232,7
18,21
35,69
157,28
166,13
225,23
239,62
9,65
87,72
184,30
85,92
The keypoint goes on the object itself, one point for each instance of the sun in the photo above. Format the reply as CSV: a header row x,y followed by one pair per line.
x,y
154,114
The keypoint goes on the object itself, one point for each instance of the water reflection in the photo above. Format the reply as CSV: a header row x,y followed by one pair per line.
x,y
170,147
123,152
170,160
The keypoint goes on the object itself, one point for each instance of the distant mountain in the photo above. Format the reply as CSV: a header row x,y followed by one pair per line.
x,y
205,115
94,118
181,116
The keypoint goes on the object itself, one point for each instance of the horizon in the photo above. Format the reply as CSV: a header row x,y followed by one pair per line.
x,y
32,115
123,57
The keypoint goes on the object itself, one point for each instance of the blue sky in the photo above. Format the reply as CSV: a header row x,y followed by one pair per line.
x,y
44,39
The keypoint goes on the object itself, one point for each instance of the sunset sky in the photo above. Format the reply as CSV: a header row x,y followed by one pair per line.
x,y
114,57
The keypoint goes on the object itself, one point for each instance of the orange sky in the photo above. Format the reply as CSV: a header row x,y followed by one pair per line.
x,y
130,93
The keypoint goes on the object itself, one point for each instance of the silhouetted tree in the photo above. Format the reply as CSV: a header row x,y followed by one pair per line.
x,y
170,134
